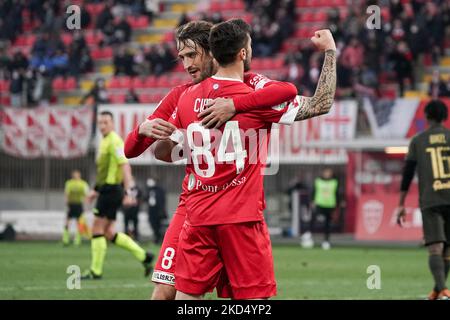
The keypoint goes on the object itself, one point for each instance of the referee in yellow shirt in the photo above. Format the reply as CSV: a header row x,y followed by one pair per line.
x,y
75,191
113,171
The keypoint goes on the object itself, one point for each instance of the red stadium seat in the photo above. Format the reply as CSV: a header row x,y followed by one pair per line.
x,y
4,86
107,52
58,84
307,16
150,82
146,98
70,84
66,38
93,38
114,83
25,40
321,16
138,83
97,54
5,100
138,22
162,81
117,98
125,82
168,37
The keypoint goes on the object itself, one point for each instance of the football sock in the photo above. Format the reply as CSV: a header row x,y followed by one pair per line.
x,y
98,250
77,239
436,264
124,241
446,262
66,236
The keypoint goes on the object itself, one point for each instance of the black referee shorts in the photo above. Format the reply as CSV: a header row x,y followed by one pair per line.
x,y
109,201
75,210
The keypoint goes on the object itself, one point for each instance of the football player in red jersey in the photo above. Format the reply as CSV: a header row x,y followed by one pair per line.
x,y
193,47
224,242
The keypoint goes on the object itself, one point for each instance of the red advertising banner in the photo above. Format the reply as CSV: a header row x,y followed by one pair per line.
x,y
53,132
338,125
376,218
372,192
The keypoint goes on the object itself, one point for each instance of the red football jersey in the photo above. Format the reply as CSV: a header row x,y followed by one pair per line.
x,y
225,166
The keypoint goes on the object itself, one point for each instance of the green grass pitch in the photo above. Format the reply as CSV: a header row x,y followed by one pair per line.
x,y
38,270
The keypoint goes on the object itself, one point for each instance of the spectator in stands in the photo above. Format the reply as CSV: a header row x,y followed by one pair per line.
x,y
123,62
122,31
39,49
131,96
6,31
85,19
43,90
5,63
161,59
184,18
401,59
438,88
353,54
16,89
79,58
150,7
105,16
97,94
366,82
30,85
140,63
60,63
19,62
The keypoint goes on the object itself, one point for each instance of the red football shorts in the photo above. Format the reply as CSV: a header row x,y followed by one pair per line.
x,y
234,258
164,270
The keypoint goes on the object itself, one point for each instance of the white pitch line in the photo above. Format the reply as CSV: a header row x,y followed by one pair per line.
x,y
90,287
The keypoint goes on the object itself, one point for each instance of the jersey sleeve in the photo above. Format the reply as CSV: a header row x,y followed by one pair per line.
x,y
86,188
177,135
136,144
117,158
283,113
66,187
267,93
412,152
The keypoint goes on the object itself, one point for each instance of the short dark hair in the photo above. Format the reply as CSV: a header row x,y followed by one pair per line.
x,y
227,38
107,113
196,31
436,110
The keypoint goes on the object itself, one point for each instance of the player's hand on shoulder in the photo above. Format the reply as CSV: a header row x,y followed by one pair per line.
x,y
401,213
217,112
323,40
156,129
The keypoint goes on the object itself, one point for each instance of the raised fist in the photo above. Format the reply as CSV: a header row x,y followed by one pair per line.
x,y
323,40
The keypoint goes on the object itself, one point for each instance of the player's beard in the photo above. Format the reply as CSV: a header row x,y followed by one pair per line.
x,y
209,70
247,62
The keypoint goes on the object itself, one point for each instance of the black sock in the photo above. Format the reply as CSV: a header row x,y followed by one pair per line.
x,y
437,268
446,256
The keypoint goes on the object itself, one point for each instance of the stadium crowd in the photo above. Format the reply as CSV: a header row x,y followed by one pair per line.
x,y
367,58
412,34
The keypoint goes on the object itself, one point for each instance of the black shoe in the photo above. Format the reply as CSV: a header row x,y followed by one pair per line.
x,y
89,275
148,264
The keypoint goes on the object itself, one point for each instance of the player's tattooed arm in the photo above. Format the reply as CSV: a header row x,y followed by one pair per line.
x,y
323,98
